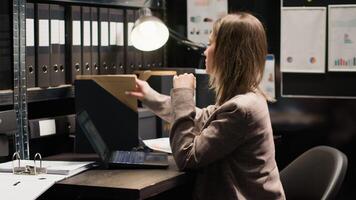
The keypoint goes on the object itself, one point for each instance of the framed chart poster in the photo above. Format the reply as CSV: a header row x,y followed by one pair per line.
x,y
342,38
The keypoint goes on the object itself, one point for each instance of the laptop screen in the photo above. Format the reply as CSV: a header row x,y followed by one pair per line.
x,y
92,134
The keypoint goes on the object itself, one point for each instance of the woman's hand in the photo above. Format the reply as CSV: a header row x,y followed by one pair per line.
x,y
184,81
142,91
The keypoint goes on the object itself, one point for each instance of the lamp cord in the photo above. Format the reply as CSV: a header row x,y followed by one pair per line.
x,y
178,37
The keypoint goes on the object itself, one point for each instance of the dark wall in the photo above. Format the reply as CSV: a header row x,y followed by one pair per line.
x,y
298,123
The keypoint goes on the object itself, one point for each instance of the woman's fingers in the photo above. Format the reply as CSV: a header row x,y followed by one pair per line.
x,y
138,95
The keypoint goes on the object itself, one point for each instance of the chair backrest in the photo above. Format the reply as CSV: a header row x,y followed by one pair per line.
x,y
316,174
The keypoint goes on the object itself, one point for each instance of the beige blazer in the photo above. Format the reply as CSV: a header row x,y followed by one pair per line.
x,y
231,146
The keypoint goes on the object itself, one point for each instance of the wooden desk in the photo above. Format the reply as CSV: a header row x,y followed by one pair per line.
x,y
122,184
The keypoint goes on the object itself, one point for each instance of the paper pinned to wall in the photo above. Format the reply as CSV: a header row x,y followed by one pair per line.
x,y
268,80
303,37
201,15
342,38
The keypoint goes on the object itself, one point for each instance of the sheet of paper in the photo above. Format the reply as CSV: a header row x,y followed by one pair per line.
x,y
303,34
55,31
268,80
43,34
86,34
342,38
159,144
30,30
129,29
201,15
76,29
104,34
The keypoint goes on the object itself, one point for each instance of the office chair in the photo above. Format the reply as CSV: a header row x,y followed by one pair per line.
x,y
316,174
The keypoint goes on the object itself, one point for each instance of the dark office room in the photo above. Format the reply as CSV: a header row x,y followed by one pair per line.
x,y
177,99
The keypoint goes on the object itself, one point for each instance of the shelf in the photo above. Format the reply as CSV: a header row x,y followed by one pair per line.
x,y
154,4
51,93
6,97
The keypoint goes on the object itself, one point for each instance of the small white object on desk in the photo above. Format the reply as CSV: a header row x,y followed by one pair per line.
x,y
159,144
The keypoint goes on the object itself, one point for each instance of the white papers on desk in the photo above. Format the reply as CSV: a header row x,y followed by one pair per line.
x,y
342,38
159,144
26,187
303,36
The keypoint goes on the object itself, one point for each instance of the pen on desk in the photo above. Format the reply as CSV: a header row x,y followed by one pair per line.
x,y
16,183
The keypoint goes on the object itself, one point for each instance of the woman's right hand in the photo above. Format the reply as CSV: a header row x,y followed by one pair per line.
x,y
143,90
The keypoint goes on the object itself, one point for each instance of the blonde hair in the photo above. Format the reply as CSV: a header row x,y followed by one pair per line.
x,y
239,55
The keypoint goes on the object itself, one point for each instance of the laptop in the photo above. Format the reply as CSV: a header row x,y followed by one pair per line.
x,y
119,159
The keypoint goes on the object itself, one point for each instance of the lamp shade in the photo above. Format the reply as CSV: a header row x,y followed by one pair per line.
x,y
149,33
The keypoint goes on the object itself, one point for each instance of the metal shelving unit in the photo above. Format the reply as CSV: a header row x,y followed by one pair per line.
x,y
20,90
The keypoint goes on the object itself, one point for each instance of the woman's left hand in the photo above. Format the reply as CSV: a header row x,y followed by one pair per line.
x,y
184,81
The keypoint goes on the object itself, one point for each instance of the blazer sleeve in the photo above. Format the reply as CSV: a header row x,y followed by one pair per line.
x,y
192,149
161,106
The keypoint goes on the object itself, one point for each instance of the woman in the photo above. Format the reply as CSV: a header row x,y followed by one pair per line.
x,y
230,144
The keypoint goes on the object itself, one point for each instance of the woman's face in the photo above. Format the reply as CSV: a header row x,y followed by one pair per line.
x,y
209,52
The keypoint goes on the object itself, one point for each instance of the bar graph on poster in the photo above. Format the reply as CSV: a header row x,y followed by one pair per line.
x,y
342,38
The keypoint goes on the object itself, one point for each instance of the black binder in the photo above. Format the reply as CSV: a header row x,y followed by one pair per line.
x,y
43,49
74,43
6,38
130,54
62,47
63,125
104,50
56,70
138,53
120,42
116,41
94,41
86,40
30,45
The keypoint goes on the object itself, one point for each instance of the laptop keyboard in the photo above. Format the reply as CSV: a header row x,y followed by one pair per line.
x,y
133,157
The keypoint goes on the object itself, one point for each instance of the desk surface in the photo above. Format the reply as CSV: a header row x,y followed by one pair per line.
x,y
123,183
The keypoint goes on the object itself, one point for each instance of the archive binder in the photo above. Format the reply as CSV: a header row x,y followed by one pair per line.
x,y
57,57
116,41
104,41
43,49
130,55
62,48
30,45
120,35
50,126
28,183
75,43
86,40
138,53
6,38
94,41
